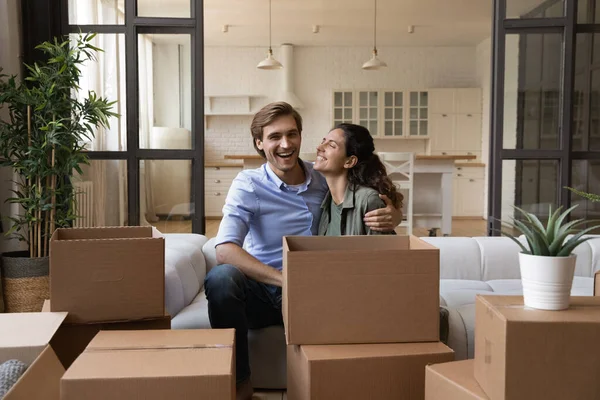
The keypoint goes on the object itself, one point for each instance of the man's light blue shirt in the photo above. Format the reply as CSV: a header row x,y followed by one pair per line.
x,y
260,209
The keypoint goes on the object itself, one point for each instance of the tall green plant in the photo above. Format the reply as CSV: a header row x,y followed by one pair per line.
x,y
42,138
549,240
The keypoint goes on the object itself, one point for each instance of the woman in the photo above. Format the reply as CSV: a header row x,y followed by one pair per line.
x,y
355,177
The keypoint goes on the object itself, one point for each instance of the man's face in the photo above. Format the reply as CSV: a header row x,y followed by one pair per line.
x,y
281,144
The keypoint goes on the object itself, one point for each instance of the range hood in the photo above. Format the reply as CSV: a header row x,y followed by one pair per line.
x,y
287,93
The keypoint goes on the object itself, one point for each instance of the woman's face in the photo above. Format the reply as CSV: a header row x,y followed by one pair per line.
x,y
331,154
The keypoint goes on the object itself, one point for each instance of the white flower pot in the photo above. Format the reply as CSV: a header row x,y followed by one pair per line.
x,y
547,281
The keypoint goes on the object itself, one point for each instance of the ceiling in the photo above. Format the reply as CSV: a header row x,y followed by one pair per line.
x,y
343,22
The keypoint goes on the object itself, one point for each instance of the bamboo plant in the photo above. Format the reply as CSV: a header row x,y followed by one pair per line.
x,y
43,138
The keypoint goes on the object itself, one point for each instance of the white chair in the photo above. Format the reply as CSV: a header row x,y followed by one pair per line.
x,y
400,169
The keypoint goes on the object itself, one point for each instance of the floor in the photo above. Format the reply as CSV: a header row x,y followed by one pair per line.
x,y
460,227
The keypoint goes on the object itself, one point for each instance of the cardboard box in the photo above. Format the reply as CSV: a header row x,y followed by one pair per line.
x,y
360,289
524,353
26,337
597,283
361,371
177,364
452,381
107,274
71,340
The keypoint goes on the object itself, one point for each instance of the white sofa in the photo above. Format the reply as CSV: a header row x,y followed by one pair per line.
x,y
468,266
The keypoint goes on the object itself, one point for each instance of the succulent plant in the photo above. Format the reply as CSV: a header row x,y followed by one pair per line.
x,y
550,240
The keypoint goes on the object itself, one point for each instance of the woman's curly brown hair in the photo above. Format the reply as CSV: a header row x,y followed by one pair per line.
x,y
369,170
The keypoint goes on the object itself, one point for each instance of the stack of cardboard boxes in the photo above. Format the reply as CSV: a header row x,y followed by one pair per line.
x,y
106,279
106,325
361,316
523,353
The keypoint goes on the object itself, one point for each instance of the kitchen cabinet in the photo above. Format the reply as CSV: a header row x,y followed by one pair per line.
x,y
390,114
468,191
455,122
217,180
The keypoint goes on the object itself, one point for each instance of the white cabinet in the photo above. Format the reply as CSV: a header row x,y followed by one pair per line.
x,y
468,191
443,133
468,101
455,122
442,101
217,180
468,132
391,114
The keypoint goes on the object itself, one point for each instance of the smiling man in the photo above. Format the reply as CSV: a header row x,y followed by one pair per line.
x,y
282,197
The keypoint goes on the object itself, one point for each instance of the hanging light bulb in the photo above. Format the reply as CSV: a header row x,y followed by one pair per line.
x,y
270,62
374,63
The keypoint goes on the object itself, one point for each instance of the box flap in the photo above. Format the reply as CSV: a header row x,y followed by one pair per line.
x,y
118,232
167,339
585,309
459,375
346,243
25,335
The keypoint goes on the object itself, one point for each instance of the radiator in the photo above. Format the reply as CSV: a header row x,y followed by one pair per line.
x,y
84,204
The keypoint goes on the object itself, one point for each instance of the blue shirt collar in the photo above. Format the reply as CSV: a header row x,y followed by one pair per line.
x,y
272,176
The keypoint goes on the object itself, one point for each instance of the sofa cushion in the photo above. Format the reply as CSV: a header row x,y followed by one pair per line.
x,y
185,268
500,258
459,257
194,316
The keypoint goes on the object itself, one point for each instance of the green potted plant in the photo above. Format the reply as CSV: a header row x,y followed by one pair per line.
x,y
42,141
594,198
547,263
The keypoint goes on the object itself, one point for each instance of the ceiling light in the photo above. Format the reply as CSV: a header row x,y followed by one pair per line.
x,y
270,62
374,63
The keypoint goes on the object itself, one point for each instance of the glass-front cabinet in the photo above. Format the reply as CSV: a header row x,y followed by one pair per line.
x,y
388,114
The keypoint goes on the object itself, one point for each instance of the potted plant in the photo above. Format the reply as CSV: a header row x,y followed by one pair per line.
x,y
42,141
547,264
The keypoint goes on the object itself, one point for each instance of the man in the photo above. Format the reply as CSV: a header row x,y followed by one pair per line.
x,y
282,197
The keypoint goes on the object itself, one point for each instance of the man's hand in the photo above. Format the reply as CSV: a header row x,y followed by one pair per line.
x,y
231,253
384,219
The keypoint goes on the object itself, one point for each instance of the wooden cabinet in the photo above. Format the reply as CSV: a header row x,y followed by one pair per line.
x,y
455,122
468,190
217,181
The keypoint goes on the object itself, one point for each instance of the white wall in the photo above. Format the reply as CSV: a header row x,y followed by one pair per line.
x,y
10,50
318,71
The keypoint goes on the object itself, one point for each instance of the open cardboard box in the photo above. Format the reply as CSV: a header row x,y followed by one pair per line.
x,y
360,289
71,340
26,337
108,274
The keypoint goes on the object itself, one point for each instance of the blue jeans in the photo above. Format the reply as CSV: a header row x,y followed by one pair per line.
x,y
236,301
